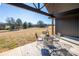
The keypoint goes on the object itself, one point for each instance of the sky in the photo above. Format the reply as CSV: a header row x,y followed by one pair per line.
x,y
25,15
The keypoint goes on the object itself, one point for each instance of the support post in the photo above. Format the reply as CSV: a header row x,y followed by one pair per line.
x,y
53,26
38,5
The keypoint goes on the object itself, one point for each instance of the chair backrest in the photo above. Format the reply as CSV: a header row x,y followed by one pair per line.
x,y
36,35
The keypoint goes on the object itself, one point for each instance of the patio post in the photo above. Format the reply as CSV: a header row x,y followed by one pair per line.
x,y
53,26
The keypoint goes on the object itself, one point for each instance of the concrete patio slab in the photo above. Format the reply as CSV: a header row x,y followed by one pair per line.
x,y
26,50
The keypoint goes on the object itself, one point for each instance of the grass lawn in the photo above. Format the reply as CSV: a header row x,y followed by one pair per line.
x,y
13,39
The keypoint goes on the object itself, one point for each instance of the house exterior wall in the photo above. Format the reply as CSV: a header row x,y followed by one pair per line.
x,y
67,21
68,25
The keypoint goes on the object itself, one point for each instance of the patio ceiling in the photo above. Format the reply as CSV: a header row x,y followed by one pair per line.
x,y
56,8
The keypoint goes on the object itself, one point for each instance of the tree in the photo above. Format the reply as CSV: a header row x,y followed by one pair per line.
x,y
11,22
25,25
40,24
29,24
2,26
18,23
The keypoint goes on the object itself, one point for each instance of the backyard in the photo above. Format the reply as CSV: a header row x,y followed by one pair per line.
x,y
13,39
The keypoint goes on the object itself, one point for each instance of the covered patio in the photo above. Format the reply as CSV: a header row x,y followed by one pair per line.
x,y
65,30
